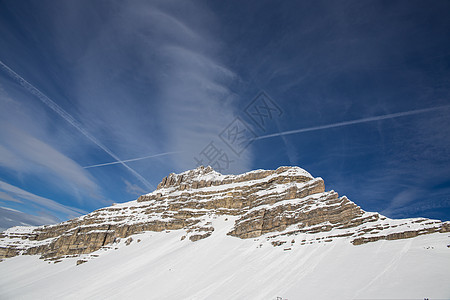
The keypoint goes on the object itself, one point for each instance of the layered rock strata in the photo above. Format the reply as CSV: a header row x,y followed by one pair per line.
x,y
275,204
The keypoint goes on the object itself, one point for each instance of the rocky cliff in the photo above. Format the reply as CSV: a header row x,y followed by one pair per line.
x,y
270,204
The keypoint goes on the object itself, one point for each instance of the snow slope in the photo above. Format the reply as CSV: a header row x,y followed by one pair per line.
x,y
161,266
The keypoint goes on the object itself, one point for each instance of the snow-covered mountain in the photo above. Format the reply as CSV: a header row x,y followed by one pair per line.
x,y
259,235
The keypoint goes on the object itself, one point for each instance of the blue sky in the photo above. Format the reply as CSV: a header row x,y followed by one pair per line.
x,y
99,100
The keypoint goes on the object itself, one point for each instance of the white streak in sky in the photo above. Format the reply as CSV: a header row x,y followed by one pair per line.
x,y
133,159
346,123
66,116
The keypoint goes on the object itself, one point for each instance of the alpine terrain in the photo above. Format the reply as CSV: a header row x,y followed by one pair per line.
x,y
265,234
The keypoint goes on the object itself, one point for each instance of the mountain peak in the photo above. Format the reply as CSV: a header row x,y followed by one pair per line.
x,y
274,205
207,176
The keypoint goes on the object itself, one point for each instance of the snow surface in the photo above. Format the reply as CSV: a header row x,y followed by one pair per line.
x,y
161,266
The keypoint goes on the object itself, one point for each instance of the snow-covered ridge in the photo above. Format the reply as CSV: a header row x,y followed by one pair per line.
x,y
206,177
270,204
208,173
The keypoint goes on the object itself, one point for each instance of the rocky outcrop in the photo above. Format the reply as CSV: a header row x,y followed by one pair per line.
x,y
273,203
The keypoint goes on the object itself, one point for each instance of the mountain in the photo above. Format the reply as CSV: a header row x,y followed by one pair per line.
x,y
259,235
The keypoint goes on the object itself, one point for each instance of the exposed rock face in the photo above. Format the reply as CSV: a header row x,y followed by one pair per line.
x,y
283,202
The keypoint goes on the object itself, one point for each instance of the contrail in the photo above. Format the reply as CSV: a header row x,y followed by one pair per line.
x,y
346,123
133,159
66,116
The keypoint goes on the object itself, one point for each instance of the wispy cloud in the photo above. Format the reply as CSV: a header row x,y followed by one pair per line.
x,y
71,120
195,95
197,103
176,57
134,189
133,159
7,197
25,154
402,200
11,217
148,79
403,175
44,203
353,122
